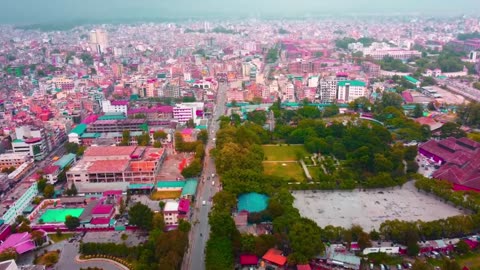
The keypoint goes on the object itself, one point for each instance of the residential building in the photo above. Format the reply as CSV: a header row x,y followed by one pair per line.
x,y
76,133
98,41
328,89
115,106
9,265
102,126
174,211
31,140
17,201
13,159
350,90
50,173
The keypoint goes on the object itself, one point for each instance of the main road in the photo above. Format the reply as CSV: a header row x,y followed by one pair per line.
x,y
195,257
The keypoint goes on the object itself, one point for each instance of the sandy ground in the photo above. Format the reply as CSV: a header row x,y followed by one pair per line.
x,y
169,170
370,208
449,97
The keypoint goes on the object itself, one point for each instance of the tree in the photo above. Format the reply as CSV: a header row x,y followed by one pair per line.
x,y
450,265
248,243
8,254
41,184
331,111
417,111
203,136
141,216
450,129
159,135
72,191
157,144
392,99
38,237
72,147
462,247
305,240
72,222
190,123
192,170
50,258
24,227
49,191
161,204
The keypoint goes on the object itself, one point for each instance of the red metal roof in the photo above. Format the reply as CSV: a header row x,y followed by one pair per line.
x,y
303,267
275,256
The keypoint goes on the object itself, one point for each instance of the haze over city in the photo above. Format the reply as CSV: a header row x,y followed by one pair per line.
x,y
52,11
247,134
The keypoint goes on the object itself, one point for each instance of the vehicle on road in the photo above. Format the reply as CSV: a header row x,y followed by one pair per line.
x,y
204,202
213,183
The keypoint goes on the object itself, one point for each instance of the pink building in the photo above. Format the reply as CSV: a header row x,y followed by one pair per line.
x,y
21,242
235,94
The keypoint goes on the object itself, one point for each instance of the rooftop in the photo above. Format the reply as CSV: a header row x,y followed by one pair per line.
x,y
171,206
101,151
351,83
65,160
108,166
275,256
79,129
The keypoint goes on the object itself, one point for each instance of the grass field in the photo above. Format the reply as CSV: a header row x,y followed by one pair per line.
x,y
163,195
55,238
472,261
289,171
283,152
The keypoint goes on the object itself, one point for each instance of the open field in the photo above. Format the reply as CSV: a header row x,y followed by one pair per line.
x,y
370,208
163,195
283,153
287,170
472,261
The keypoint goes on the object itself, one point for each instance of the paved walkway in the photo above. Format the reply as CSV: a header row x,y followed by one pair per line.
x,y
112,262
305,169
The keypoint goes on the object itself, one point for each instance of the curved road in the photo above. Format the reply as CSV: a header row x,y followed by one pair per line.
x,y
195,256
68,260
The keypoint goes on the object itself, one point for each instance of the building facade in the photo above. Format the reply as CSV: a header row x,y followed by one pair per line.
x,y
348,91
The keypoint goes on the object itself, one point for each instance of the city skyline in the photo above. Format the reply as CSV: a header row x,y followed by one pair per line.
x,y
32,12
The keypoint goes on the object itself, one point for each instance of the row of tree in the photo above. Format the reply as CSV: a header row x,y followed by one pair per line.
x,y
196,166
162,250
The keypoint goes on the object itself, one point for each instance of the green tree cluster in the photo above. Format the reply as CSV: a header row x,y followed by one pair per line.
x,y
469,114
391,64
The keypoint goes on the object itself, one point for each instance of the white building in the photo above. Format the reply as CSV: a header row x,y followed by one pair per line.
x,y
116,106
328,89
350,90
313,81
13,159
32,141
170,213
183,112
98,40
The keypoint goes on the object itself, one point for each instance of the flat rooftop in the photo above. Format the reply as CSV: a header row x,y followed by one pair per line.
x,y
370,208
58,215
99,151
108,166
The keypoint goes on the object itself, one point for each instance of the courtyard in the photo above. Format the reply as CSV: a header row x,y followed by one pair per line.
x,y
372,207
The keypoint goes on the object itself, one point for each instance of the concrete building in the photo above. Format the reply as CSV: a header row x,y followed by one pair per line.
x,y
32,141
19,199
98,40
115,106
102,126
183,112
9,265
13,159
113,164
328,89
350,90
174,211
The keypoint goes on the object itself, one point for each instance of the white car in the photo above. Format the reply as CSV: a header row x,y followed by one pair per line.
x,y
204,202
213,183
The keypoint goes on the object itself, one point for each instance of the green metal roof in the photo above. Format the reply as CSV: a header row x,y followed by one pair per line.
x,y
170,184
189,188
411,79
65,160
17,141
134,97
112,117
140,186
352,83
79,129
90,135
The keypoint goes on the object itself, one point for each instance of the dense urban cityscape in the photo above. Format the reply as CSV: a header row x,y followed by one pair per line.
x,y
315,143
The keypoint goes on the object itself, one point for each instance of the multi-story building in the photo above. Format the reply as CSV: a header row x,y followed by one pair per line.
x,y
98,40
328,89
350,90
115,106
183,112
104,165
13,159
18,200
174,211
31,140
158,116
101,126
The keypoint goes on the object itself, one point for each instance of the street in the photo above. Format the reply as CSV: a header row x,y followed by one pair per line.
x,y
195,256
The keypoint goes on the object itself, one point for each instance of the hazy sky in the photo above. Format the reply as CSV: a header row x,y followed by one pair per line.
x,y
41,11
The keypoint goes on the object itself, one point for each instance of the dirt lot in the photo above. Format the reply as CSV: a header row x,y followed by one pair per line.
x,y
170,168
370,208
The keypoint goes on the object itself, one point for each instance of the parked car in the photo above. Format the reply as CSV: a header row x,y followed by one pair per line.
x,y
399,267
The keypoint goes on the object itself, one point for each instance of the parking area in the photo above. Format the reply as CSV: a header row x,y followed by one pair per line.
x,y
134,237
372,207
426,167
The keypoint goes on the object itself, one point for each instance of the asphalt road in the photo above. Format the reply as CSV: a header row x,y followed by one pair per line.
x,y
195,256
67,260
